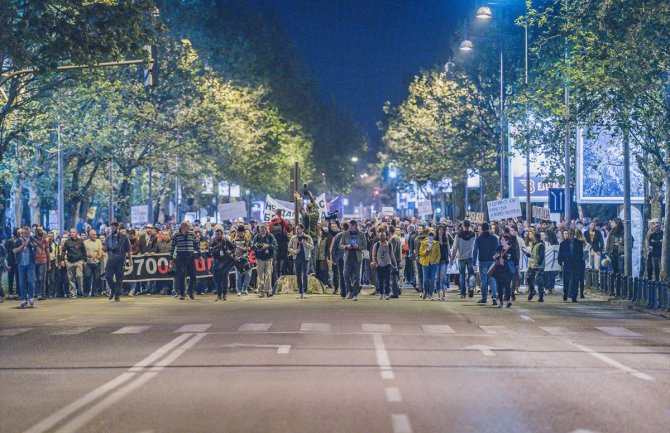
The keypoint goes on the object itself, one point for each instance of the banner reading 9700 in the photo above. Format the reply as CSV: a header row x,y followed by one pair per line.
x,y
157,267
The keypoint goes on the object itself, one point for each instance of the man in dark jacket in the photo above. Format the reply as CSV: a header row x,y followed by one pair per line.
x,y
281,230
571,258
264,246
595,240
485,248
74,257
654,254
12,268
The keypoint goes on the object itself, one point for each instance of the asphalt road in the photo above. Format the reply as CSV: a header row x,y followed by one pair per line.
x,y
156,364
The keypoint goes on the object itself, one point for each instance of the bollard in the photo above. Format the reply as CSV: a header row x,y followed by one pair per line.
x,y
588,278
601,277
633,291
666,295
637,291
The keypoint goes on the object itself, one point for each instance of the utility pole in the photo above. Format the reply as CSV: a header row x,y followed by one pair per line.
x,y
61,202
111,191
176,190
150,213
627,237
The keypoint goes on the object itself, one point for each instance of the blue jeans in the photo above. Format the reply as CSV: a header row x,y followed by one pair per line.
x,y
442,277
352,277
301,269
487,281
27,281
463,266
429,272
40,272
242,280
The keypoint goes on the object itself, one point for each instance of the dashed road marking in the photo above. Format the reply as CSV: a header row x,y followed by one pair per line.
x,y
497,330
132,330
393,394
526,318
73,331
376,327
13,331
315,327
401,423
557,330
194,328
254,327
437,329
618,331
388,375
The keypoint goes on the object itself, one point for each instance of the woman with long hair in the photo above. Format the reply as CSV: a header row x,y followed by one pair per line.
x,y
615,246
506,260
445,242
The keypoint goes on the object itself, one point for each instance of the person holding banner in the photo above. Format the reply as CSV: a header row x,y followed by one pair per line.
x,y
117,247
221,250
182,252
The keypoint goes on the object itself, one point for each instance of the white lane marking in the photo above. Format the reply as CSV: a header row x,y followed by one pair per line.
x,y
557,330
485,350
66,318
47,423
85,417
401,423
618,331
315,327
132,330
194,328
177,353
254,327
376,327
393,394
437,329
13,331
526,318
388,375
665,330
73,331
610,361
583,431
497,330
282,349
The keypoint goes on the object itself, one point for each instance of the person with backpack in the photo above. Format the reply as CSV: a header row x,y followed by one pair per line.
x,y
383,260
337,255
463,251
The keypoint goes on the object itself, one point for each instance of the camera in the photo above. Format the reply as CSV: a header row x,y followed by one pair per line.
x,y
305,191
330,216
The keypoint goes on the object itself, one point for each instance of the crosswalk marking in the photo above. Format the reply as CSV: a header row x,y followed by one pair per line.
x,y
666,330
437,329
193,328
496,330
315,327
557,330
254,327
376,327
73,331
618,331
132,330
13,331
401,423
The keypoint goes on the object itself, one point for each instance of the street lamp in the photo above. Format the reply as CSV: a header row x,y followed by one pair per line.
x,y
466,45
354,159
485,13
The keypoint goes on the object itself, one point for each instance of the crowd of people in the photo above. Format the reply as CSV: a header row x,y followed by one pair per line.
x,y
386,254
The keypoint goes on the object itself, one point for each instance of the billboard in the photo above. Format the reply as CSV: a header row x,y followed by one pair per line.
x,y
600,168
539,186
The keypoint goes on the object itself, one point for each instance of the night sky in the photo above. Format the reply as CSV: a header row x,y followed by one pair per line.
x,y
365,52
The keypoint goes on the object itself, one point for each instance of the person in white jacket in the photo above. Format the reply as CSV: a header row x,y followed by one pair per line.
x,y
464,244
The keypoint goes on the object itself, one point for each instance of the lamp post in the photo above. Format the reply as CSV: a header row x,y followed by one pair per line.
x,y
61,201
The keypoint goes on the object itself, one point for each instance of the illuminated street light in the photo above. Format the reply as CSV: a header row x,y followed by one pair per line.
x,y
354,159
484,12
466,45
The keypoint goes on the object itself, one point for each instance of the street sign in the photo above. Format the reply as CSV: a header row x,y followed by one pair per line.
x,y
556,200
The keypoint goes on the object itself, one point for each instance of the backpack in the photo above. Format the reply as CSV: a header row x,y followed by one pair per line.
x,y
278,232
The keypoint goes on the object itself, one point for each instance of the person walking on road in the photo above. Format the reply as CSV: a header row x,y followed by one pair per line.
x,y
222,251
463,250
485,247
352,243
571,258
182,253
264,246
300,248
337,254
74,257
383,260
117,247
506,262
429,258
535,275
25,249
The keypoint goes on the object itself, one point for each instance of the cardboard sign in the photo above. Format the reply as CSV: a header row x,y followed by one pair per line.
x,y
388,211
425,207
139,214
541,213
232,211
475,217
504,209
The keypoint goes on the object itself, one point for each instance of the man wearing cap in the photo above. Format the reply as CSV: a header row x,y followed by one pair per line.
x,y
182,254
117,247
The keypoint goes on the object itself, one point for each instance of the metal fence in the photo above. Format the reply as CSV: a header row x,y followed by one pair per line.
x,y
640,291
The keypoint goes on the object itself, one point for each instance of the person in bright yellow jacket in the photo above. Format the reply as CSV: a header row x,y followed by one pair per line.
x,y
429,258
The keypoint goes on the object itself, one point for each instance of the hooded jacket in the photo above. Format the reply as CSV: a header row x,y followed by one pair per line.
x,y
464,245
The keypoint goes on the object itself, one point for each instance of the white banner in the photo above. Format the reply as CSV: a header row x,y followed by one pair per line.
x,y
271,205
53,220
232,211
551,258
388,211
139,214
323,207
504,209
541,213
425,207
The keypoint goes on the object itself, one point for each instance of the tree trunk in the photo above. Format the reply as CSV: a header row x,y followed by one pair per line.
x,y
665,252
15,210
162,198
34,202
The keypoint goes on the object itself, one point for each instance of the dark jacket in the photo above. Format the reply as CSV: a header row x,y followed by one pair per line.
x,y
74,249
32,247
571,260
222,253
485,247
117,247
598,244
260,253
151,247
655,243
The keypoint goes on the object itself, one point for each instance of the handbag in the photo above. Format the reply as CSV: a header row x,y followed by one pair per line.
x,y
492,269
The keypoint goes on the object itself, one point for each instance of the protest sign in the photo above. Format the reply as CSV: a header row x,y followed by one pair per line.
x,y
425,207
271,205
388,211
504,209
232,211
139,214
475,217
541,213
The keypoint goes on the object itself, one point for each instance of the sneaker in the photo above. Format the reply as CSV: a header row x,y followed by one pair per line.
x,y
495,301
117,299
530,296
190,295
540,300
31,301
432,298
481,301
24,304
381,297
471,293
239,293
182,297
462,296
393,296
304,296
387,297
355,298
509,304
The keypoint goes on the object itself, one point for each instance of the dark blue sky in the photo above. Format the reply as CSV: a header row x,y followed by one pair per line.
x,y
365,52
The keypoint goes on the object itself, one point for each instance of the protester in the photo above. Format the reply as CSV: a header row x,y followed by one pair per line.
x,y
117,247
94,252
352,242
25,249
654,251
463,250
429,258
300,248
222,250
337,254
182,253
535,274
264,248
506,262
571,258
383,260
73,258
484,249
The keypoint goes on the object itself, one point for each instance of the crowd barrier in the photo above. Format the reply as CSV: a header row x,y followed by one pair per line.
x,y
640,291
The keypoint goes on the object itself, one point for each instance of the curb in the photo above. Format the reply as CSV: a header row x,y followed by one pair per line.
x,y
629,305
